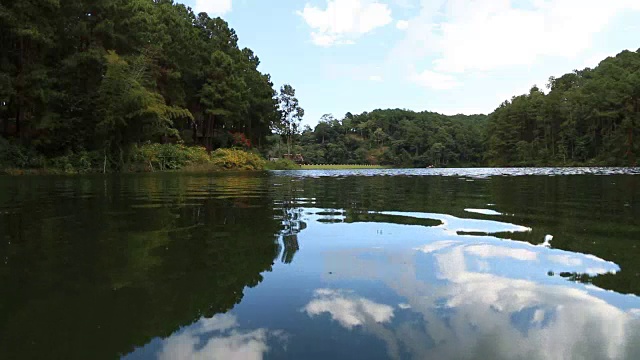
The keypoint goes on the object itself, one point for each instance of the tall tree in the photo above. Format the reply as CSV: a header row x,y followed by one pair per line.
x,y
291,114
130,112
221,96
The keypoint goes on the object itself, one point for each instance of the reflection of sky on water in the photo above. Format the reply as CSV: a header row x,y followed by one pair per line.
x,y
347,309
454,224
467,311
418,292
479,296
219,337
483,211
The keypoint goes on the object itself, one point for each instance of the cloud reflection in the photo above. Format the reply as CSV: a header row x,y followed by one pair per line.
x,y
453,225
483,313
347,309
218,337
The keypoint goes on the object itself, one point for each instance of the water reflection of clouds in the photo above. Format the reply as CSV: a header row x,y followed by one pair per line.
x,y
467,313
453,225
485,251
529,257
565,260
347,309
484,211
218,337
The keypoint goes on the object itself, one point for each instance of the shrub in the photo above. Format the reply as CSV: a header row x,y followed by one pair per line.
x,y
281,164
18,156
233,159
81,162
169,156
240,140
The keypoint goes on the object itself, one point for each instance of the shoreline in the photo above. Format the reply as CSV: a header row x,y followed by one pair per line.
x,y
14,172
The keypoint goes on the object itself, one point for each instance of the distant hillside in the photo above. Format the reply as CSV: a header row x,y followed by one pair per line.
x,y
394,137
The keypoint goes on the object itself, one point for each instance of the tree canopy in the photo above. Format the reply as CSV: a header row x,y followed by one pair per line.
x,y
586,117
393,137
104,75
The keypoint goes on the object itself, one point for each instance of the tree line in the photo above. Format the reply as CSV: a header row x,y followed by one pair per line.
x,y
105,75
587,117
392,137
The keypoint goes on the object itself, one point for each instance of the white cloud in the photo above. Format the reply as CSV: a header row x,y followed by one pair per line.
x,y
435,80
435,246
483,211
487,314
241,346
346,309
402,25
486,35
357,72
213,7
484,250
594,60
219,322
230,343
344,20
407,4
454,224
565,260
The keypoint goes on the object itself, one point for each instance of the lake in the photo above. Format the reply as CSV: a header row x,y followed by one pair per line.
x,y
366,264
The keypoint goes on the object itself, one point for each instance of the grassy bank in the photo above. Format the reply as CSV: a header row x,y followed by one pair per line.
x,y
18,160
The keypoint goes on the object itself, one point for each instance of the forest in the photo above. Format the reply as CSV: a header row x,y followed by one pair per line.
x,y
395,137
100,84
589,116
101,78
586,117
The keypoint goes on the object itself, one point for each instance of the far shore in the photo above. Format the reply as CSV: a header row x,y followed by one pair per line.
x,y
342,167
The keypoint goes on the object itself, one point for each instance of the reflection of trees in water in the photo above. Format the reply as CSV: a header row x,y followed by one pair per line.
x,y
288,199
598,215
290,248
292,224
153,254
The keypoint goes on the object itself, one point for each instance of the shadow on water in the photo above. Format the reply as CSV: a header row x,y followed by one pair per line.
x,y
93,267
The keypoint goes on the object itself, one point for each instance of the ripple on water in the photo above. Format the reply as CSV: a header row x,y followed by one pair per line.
x,y
478,173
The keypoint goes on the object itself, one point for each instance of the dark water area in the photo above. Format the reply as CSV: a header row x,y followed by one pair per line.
x,y
366,264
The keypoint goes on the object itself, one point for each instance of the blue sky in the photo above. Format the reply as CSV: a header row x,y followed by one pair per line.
x,y
448,56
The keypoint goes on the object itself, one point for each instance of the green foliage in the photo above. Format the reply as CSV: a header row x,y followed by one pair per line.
x,y
104,77
154,157
281,164
107,76
589,116
393,138
234,159
18,156
290,114
130,280
81,162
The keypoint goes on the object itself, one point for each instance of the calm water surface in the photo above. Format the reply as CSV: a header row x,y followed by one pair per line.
x,y
398,264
